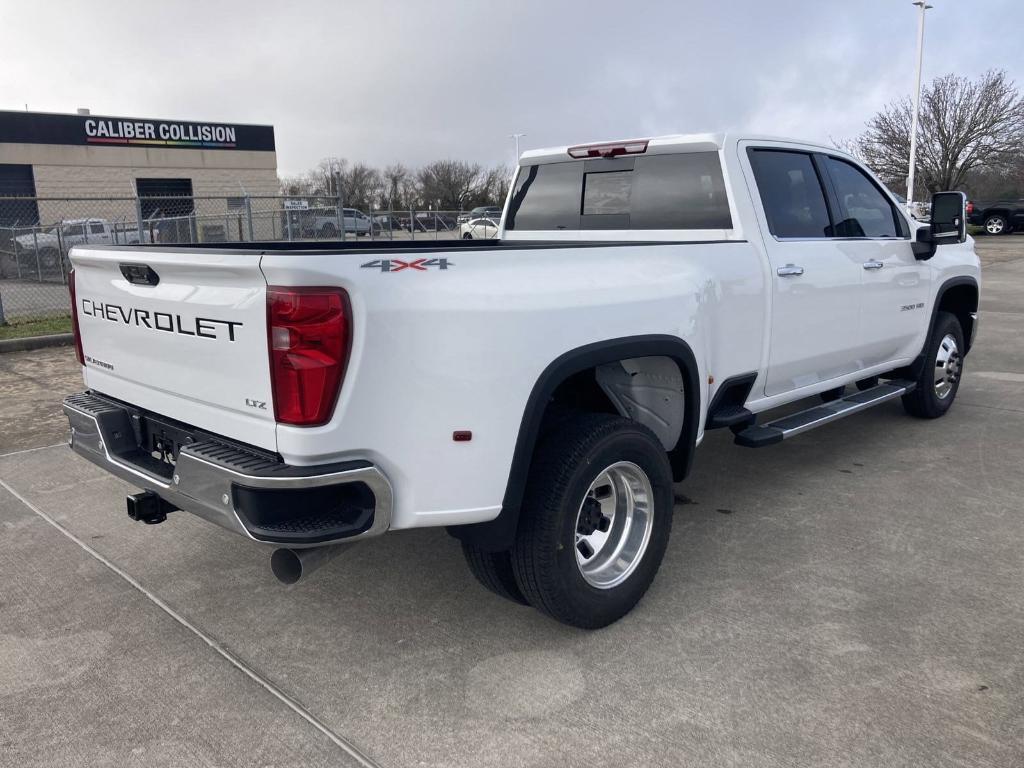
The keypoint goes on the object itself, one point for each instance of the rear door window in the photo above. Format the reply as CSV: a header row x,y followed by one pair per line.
x,y
791,193
672,191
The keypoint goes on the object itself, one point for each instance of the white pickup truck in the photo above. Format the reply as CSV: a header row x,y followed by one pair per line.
x,y
46,245
537,393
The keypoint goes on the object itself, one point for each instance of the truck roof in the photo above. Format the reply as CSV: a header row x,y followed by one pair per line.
x,y
690,142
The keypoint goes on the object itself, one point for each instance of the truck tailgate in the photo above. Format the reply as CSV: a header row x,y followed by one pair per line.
x,y
181,333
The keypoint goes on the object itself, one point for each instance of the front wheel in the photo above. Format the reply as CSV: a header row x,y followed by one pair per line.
x,y
467,236
596,519
939,380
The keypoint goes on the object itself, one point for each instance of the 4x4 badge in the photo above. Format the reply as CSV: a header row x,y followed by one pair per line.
x,y
397,265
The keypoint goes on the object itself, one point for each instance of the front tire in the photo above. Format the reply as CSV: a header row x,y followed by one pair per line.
x,y
940,376
596,519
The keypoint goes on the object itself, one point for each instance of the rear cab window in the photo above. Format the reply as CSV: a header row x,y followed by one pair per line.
x,y
672,191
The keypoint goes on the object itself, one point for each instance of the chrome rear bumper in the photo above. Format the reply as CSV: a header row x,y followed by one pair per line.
x,y
245,491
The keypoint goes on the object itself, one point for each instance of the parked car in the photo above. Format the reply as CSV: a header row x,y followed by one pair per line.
x,y
48,245
1000,217
538,394
432,221
479,229
325,223
919,210
388,222
483,211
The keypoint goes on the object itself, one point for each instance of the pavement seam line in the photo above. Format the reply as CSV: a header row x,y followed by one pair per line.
x,y
30,450
348,747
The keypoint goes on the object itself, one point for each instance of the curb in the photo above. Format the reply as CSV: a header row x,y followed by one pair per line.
x,y
36,342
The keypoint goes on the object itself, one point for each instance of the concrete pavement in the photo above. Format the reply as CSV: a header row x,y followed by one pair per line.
x,y
849,598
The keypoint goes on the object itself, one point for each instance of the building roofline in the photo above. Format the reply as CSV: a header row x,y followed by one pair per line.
x,y
131,118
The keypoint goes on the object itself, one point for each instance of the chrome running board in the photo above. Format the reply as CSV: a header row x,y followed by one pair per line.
x,y
759,435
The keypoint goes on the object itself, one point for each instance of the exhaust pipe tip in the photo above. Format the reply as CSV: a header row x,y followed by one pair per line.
x,y
292,565
286,565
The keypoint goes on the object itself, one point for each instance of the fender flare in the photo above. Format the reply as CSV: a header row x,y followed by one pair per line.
x,y
913,370
498,534
952,282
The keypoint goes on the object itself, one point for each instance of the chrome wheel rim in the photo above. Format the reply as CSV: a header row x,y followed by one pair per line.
x,y
947,366
994,226
613,525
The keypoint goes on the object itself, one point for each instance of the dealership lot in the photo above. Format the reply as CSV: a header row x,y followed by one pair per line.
x,y
852,597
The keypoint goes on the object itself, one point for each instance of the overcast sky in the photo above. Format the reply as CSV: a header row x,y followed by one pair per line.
x,y
416,80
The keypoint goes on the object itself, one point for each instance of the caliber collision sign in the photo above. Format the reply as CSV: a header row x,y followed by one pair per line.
x,y
42,128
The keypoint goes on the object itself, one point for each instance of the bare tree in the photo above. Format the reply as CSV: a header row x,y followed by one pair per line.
x,y
296,186
445,184
396,187
1000,184
360,185
448,184
323,180
965,127
494,186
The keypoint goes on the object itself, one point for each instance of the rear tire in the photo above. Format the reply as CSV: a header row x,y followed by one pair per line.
x,y
49,258
996,224
940,376
494,571
595,522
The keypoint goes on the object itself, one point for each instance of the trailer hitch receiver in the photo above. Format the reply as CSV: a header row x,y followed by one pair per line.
x,y
147,507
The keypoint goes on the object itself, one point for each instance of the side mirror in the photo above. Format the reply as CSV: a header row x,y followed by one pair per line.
x,y
948,224
949,217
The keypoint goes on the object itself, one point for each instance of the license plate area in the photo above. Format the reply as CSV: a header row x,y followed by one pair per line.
x,y
162,439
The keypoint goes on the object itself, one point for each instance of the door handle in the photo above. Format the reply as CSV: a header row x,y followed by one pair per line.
x,y
873,264
790,270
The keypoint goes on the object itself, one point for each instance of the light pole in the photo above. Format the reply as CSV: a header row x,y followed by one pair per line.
x,y
923,6
517,137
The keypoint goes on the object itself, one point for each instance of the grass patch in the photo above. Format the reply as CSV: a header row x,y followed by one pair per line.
x,y
37,326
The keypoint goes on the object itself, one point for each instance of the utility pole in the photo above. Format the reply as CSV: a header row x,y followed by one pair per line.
x,y
517,137
922,6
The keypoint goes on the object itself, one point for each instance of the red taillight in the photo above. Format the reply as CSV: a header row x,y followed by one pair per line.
x,y
309,332
611,149
970,207
74,318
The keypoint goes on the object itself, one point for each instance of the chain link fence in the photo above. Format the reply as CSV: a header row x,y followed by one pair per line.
x,y
36,234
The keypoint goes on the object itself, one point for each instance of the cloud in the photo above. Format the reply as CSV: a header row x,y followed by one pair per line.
x,y
411,81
